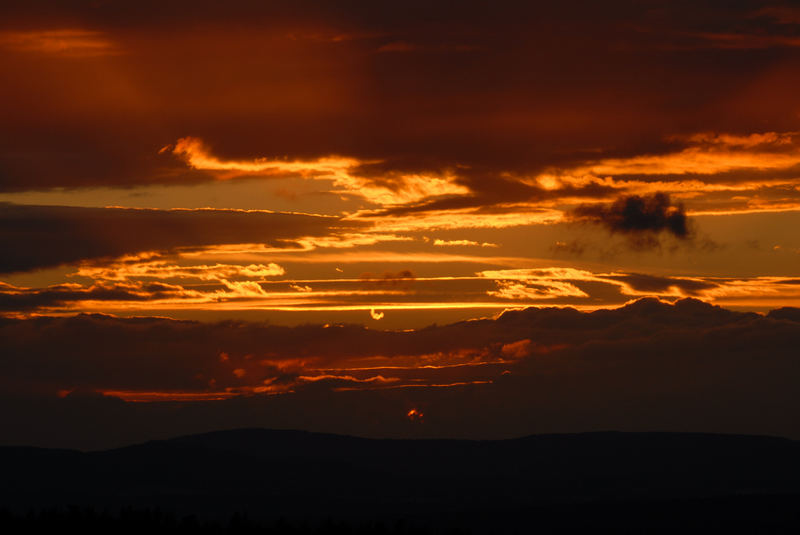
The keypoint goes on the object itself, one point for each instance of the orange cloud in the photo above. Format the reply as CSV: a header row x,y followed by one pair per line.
x,y
518,349
709,166
504,216
707,153
693,160
68,42
452,243
415,415
341,171
350,378
198,156
162,270
532,289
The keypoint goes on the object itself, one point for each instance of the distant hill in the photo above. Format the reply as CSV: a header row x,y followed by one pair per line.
x,y
295,474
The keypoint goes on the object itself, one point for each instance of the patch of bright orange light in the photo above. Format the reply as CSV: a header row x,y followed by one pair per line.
x,y
415,415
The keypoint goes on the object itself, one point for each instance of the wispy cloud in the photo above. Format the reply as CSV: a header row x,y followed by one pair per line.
x,y
68,42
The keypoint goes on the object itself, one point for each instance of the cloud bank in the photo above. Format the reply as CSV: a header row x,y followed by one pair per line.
x,y
646,366
35,237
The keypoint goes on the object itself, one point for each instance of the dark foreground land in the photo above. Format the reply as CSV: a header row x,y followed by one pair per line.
x,y
262,481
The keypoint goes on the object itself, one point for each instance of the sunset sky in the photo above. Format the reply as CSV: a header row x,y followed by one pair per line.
x,y
285,213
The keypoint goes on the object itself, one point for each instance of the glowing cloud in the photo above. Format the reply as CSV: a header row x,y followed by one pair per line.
x,y
198,156
502,217
125,270
68,42
452,243
707,154
415,415
535,289
342,171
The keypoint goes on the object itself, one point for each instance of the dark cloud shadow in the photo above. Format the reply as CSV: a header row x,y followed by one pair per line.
x,y
34,237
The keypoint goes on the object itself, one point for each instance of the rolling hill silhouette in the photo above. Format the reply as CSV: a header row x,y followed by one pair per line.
x,y
310,476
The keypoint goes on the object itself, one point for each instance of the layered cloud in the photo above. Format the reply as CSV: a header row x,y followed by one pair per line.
x,y
387,108
173,160
687,366
44,236
224,280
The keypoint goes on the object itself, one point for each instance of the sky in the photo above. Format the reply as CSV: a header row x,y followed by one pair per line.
x,y
474,219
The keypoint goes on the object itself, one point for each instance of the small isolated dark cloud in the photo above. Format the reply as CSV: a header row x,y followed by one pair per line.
x,y
389,277
640,217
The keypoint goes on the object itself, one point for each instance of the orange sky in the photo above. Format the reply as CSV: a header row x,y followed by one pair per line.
x,y
392,167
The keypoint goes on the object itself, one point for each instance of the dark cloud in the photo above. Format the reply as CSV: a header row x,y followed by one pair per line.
x,y
33,237
23,300
785,313
475,91
647,366
492,192
389,277
104,352
636,216
652,283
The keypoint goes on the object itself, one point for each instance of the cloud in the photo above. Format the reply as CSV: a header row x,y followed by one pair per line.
x,y
706,154
13,299
535,289
571,248
128,269
644,284
197,155
453,144
67,42
188,282
45,353
390,189
398,46
389,277
570,285
647,366
637,215
782,14
742,41
34,237
119,355
453,243
785,313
